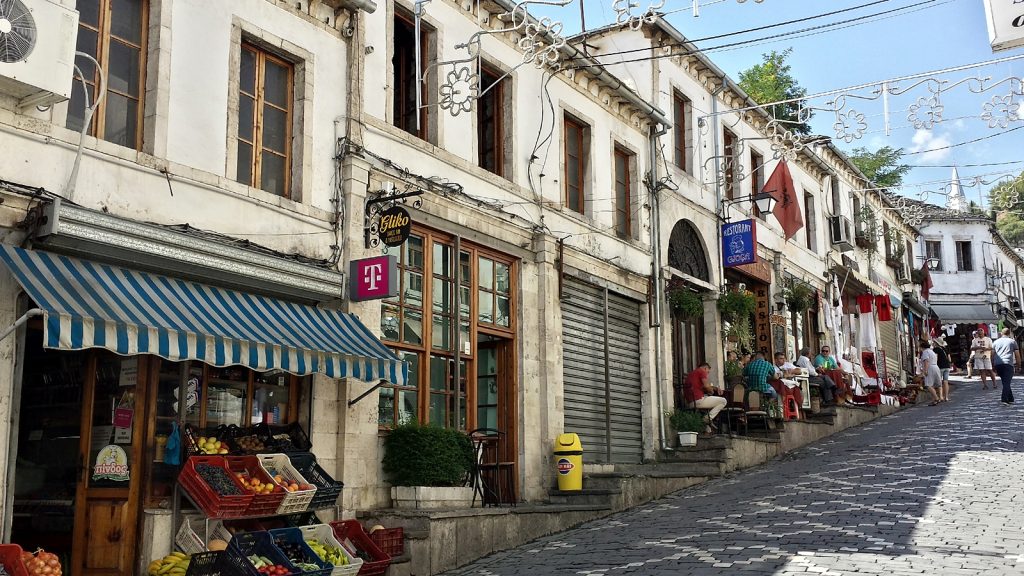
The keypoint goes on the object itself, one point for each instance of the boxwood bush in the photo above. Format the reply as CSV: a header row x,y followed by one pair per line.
x,y
416,455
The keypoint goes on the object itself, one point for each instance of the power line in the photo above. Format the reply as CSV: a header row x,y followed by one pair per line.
x,y
963,143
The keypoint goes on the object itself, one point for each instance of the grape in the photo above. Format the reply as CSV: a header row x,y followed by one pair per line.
x,y
218,479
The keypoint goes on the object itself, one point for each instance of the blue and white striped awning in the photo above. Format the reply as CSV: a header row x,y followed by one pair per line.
x,y
91,305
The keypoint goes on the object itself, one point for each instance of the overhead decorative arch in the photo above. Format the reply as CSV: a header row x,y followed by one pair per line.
x,y
686,251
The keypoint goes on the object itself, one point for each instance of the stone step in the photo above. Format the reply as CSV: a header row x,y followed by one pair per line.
x,y
677,469
695,454
597,496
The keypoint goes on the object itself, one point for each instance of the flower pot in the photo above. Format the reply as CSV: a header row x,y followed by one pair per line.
x,y
687,438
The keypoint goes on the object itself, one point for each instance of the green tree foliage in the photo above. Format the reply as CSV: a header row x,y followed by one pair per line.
x,y
1007,200
771,81
882,166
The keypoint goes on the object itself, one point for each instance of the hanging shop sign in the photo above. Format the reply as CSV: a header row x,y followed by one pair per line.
x,y
1005,23
394,226
373,278
111,464
739,243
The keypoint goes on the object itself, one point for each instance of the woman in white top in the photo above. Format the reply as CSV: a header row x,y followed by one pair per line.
x,y
932,375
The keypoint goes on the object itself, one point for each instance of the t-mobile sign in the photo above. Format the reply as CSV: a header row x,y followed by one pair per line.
x,y
373,278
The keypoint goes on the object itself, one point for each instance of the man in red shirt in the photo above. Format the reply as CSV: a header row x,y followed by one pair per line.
x,y
703,395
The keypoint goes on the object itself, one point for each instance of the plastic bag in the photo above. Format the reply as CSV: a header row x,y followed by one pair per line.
x,y
172,454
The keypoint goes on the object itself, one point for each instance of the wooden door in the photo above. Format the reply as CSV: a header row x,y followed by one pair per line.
x,y
687,353
110,466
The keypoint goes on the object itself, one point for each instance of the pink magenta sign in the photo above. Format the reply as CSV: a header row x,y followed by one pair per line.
x,y
373,278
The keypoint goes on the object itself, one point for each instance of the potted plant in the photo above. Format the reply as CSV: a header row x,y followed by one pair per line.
x,y
895,259
735,305
687,424
686,303
733,372
799,296
739,331
428,466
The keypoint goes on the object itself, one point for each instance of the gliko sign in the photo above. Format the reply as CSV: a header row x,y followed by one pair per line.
x,y
1005,23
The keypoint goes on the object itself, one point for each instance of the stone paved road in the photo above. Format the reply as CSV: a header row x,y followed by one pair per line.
x,y
930,490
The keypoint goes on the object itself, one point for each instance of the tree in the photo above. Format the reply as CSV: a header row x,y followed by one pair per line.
x,y
1007,200
882,166
771,81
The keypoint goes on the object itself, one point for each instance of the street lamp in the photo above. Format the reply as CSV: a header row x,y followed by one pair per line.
x,y
932,263
764,201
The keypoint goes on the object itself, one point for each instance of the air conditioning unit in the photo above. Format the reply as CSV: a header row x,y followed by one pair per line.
x,y
841,233
37,51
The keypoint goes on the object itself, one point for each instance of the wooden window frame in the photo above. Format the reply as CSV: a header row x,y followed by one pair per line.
x,y
496,92
681,107
729,154
938,253
104,38
581,162
811,222
756,180
964,259
262,56
398,80
623,187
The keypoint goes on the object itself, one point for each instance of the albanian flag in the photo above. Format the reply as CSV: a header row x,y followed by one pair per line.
x,y
787,208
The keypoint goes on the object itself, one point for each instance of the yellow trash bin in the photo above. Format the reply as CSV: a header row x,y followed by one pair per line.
x,y
569,462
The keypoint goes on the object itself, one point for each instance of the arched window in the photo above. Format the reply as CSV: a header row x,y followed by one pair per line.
x,y
686,251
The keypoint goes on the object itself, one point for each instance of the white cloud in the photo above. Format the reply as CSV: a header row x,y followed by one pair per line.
x,y
960,125
929,144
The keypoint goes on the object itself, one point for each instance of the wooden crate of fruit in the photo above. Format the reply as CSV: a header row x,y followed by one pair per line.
x,y
299,492
320,537
267,494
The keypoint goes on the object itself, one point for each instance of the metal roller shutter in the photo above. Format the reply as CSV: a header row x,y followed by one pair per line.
x,y
888,340
602,398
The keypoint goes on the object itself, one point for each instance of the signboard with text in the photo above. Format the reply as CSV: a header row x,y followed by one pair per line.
x,y
1005,23
394,226
373,278
762,321
739,243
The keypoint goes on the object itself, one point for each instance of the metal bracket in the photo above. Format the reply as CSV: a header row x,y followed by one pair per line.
x,y
379,202
369,391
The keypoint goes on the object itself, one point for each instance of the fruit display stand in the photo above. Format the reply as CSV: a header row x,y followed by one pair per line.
x,y
10,560
267,495
323,534
327,489
290,542
280,468
257,544
196,476
352,536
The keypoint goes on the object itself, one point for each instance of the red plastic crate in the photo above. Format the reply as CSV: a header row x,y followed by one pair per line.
x,y
871,398
391,541
10,558
213,504
262,504
352,536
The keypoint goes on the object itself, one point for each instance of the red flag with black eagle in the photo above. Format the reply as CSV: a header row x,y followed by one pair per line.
x,y
787,208
926,286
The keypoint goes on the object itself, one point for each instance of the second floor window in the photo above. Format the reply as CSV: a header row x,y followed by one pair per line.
x,y
114,33
264,121
404,81
964,261
933,249
756,179
812,223
681,131
490,122
623,194
729,163
576,154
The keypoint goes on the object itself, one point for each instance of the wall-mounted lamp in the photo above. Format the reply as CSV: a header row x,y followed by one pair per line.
x,y
933,263
764,201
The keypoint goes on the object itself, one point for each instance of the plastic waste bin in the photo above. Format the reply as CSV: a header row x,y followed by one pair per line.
x,y
569,462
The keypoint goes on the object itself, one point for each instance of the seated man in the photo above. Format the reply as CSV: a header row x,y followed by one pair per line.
x,y
827,365
704,395
824,382
784,373
757,373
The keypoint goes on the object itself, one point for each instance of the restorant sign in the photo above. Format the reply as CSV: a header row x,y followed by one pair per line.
x,y
1005,23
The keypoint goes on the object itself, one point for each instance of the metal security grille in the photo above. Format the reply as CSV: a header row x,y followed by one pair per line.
x,y
888,342
601,349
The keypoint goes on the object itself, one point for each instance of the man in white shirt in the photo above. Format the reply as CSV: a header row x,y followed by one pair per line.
x,y
823,381
982,348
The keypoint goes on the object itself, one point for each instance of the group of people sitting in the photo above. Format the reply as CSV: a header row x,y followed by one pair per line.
x,y
824,371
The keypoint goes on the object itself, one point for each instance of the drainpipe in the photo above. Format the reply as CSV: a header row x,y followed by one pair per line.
x,y
656,131
718,172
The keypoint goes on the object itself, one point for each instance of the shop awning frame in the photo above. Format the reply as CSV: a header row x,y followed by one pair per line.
x,y
87,304
964,313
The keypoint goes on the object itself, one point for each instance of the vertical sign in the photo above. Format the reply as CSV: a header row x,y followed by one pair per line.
x,y
739,243
762,325
373,278
1005,23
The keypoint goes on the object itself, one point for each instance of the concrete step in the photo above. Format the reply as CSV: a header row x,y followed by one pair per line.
x,y
695,454
674,469
593,496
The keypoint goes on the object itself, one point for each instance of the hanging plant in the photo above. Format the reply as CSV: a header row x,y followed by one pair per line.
x,y
739,331
799,296
736,305
686,303
869,231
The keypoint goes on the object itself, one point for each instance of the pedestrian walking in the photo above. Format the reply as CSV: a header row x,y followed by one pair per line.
x,y
982,347
928,364
943,362
1006,358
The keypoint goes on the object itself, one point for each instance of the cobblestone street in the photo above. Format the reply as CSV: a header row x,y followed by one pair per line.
x,y
930,490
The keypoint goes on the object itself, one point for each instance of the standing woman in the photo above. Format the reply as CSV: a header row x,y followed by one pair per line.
x,y
930,371
939,346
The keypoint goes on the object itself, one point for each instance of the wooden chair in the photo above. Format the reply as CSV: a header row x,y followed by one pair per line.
x,y
755,410
736,406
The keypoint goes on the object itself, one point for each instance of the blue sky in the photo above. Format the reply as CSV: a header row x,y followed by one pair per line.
x,y
935,35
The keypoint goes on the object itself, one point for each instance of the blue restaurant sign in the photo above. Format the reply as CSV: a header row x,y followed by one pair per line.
x,y
739,243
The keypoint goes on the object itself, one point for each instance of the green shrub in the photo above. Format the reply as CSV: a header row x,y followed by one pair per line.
x,y
735,305
416,455
686,303
686,421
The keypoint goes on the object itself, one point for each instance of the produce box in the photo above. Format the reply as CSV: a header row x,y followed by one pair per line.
x,y
321,537
214,488
267,494
288,438
10,559
299,492
207,564
189,541
391,541
327,489
352,536
290,542
250,552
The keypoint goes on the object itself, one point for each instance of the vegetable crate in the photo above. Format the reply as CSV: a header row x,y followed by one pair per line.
x,y
242,546
206,564
279,465
285,537
289,438
10,559
352,536
327,489
391,541
325,534
211,502
262,504
189,541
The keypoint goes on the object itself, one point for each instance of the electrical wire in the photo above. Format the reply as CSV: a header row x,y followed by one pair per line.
x,y
964,143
